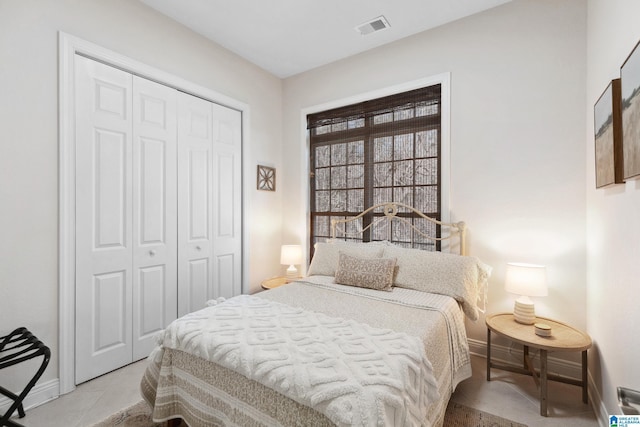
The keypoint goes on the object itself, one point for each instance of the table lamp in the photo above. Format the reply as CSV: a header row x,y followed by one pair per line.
x,y
291,255
526,280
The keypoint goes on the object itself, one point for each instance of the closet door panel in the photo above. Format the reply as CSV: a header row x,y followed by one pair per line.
x,y
154,212
226,277
195,203
152,296
225,215
104,197
199,187
227,242
110,327
199,280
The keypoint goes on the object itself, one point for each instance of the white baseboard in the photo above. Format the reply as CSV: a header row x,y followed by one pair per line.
x,y
597,404
39,394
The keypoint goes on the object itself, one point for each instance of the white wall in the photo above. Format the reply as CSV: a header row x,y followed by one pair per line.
x,y
29,140
613,219
518,148
517,137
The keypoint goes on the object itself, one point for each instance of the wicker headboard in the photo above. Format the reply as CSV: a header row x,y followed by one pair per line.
x,y
390,210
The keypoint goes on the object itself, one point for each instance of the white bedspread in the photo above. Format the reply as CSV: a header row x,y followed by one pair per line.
x,y
351,372
454,320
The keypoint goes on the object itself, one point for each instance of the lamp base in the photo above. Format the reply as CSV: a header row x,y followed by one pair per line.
x,y
524,312
292,272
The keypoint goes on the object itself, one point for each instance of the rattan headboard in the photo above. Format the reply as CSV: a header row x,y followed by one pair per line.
x,y
390,210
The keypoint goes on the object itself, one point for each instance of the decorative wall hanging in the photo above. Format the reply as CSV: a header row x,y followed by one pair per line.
x,y
630,87
608,136
266,178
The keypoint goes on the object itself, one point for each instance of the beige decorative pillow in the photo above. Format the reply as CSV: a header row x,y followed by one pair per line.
x,y
460,277
325,256
372,273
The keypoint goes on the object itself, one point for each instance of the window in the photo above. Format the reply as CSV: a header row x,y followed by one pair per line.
x,y
387,149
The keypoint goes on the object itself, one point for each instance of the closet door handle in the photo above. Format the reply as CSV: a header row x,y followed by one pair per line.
x,y
152,253
198,248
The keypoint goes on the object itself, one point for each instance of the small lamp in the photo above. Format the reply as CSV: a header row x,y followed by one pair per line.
x,y
291,255
526,280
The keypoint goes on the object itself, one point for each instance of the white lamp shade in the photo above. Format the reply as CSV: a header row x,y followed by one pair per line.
x,y
291,255
526,279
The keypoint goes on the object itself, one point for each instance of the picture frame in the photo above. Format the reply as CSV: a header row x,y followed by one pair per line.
x,y
266,178
630,99
608,136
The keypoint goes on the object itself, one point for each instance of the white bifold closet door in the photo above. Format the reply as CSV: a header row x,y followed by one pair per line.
x,y
209,157
158,227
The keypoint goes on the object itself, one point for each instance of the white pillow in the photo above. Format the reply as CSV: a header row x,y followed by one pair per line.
x,y
325,256
460,277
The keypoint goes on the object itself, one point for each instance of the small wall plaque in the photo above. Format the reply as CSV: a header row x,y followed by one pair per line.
x,y
266,178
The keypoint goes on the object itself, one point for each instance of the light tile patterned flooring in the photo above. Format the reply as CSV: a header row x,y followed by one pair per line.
x,y
515,396
90,402
509,395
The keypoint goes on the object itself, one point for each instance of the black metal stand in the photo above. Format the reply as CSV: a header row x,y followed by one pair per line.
x,y
17,347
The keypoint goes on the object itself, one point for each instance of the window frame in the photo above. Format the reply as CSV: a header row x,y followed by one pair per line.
x,y
445,167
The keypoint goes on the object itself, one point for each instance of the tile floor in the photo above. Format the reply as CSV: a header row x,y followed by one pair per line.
x,y
515,396
90,402
510,395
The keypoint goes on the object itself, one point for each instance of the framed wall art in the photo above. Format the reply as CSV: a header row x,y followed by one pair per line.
x,y
630,87
608,136
266,178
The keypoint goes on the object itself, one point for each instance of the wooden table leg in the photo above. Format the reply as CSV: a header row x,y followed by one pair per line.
x,y
488,354
528,364
585,389
543,383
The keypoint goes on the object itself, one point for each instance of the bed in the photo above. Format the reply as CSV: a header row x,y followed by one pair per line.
x,y
373,336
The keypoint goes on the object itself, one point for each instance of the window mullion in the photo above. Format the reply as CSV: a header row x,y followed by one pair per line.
x,y
369,149
385,119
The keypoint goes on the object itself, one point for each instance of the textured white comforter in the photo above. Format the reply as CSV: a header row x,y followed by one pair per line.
x,y
353,373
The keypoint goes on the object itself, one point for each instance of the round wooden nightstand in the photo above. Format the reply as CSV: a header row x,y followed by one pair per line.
x,y
563,338
275,282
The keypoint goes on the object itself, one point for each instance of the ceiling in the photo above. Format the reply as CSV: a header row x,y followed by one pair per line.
x,y
287,37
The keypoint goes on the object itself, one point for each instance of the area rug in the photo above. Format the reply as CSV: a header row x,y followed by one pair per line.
x,y
457,415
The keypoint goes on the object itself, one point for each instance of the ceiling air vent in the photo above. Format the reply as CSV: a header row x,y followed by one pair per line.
x,y
377,24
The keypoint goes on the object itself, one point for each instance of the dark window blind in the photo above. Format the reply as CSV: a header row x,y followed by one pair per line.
x,y
382,150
